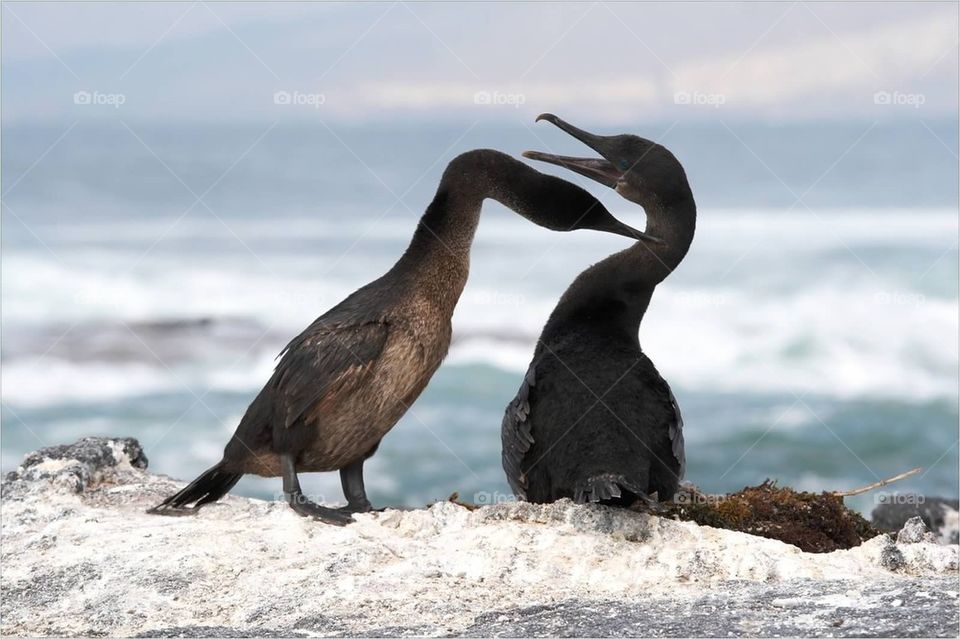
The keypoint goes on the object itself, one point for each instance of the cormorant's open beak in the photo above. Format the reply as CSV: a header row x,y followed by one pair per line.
x,y
599,169
593,168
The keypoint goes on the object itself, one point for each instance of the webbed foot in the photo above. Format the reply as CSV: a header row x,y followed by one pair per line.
x,y
306,508
173,511
361,507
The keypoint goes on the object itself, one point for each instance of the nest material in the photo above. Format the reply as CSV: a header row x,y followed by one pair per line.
x,y
813,522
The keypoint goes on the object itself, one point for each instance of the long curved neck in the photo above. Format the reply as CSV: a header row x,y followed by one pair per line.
x,y
646,265
615,292
437,260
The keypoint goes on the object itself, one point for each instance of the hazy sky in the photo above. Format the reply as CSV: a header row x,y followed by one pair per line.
x,y
388,61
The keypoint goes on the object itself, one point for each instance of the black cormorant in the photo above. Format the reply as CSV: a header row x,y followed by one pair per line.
x,y
343,383
594,421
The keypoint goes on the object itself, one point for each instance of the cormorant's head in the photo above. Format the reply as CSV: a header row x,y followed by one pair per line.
x,y
640,170
564,206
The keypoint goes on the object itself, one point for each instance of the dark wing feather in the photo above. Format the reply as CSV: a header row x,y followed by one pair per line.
x,y
323,360
676,437
516,436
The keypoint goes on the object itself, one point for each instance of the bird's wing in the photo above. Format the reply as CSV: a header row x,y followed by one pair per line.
x,y
676,436
516,436
324,361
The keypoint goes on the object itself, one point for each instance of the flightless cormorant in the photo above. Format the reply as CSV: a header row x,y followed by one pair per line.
x,y
342,383
594,421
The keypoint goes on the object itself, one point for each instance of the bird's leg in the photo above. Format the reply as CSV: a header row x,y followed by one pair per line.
x,y
351,478
299,502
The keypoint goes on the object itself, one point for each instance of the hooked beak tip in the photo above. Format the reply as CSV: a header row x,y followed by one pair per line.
x,y
549,117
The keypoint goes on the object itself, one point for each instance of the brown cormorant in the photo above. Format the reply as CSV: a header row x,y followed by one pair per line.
x,y
343,383
594,421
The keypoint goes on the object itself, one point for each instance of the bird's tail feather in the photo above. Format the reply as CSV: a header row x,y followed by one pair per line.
x,y
607,488
213,484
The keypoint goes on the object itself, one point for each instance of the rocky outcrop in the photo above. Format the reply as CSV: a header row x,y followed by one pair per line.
x,y
940,515
76,465
81,557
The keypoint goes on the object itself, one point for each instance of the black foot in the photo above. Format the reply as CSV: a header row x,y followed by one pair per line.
x,y
172,511
649,503
651,500
306,508
359,507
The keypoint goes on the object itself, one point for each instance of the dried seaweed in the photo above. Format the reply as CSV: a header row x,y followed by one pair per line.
x,y
813,522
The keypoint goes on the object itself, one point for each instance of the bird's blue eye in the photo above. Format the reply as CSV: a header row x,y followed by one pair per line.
x,y
624,165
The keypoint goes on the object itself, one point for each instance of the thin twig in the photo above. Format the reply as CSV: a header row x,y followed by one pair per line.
x,y
882,482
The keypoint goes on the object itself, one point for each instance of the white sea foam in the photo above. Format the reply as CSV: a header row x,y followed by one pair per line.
x,y
824,340
38,382
48,380
821,340
767,301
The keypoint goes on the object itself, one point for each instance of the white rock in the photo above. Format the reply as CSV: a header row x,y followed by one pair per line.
x,y
95,562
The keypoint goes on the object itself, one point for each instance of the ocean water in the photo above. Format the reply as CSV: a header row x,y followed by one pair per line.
x,y
152,273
